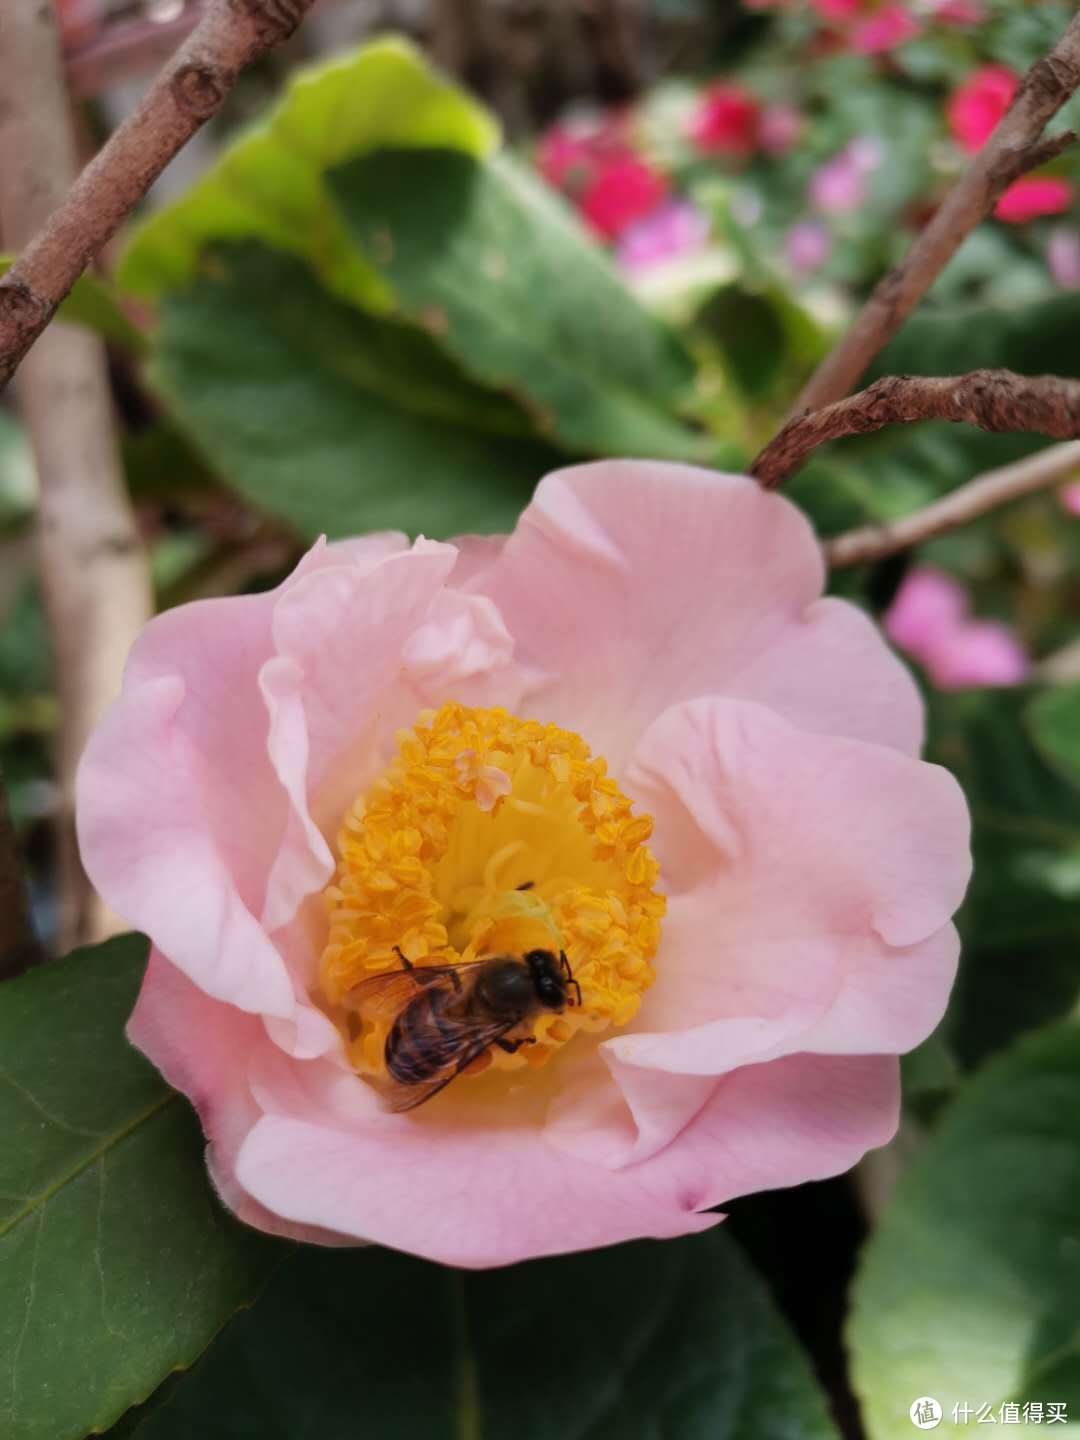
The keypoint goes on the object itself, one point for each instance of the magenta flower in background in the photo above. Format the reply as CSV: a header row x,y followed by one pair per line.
x,y
930,620
622,191
807,246
974,109
958,12
780,128
1069,496
884,30
1063,256
678,228
1033,196
726,121
838,10
839,186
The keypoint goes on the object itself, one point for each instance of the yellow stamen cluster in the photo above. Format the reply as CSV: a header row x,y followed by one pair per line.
x,y
492,835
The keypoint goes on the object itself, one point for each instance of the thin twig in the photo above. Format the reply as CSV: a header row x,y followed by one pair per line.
x,y
19,948
191,88
997,400
95,578
1014,148
979,496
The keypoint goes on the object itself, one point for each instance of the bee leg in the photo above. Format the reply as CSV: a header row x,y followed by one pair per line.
x,y
513,1046
405,961
528,885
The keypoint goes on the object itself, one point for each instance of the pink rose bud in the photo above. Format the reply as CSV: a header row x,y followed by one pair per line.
x,y
1034,196
629,757
974,109
726,121
807,246
886,29
677,229
624,189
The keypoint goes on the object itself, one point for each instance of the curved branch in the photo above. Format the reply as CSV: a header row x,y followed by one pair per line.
x,y
997,400
979,496
1015,147
191,88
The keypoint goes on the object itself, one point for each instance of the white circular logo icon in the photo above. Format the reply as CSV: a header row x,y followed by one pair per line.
x,y
925,1413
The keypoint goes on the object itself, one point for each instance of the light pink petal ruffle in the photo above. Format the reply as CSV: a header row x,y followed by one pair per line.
x,y
635,585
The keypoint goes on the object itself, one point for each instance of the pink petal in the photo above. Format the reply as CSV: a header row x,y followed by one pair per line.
x,y
179,811
169,1013
794,863
634,585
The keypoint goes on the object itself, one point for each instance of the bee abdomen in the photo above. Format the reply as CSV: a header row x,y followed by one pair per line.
x,y
421,1043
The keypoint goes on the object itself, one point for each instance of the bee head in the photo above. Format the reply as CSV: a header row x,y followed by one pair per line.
x,y
547,977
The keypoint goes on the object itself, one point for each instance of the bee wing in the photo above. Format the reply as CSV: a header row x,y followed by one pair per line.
x,y
471,1040
384,996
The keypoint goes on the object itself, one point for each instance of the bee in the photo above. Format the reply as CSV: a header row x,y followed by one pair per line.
x,y
443,1017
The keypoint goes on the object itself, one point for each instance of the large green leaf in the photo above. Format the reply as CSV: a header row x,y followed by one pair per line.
x,y
1021,918
268,185
677,1339
94,304
968,1286
331,419
116,1262
1035,339
500,273
1054,722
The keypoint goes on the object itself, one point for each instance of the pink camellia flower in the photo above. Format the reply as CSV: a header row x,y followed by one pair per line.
x,y
1032,196
974,109
676,230
930,619
886,29
633,733
726,121
622,191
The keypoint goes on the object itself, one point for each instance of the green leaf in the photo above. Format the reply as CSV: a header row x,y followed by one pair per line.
x,y
116,1262
676,1339
967,1290
495,267
1020,921
93,303
331,419
1053,720
268,185
1034,339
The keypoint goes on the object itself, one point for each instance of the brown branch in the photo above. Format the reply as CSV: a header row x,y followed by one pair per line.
x,y
94,575
19,948
997,400
1014,148
967,503
191,88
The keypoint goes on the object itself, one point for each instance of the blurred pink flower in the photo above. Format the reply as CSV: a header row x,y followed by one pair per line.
x,y
974,109
886,29
623,190
79,21
837,9
1069,495
959,12
1032,196
839,186
1063,256
929,619
780,128
807,246
650,636
677,228
725,121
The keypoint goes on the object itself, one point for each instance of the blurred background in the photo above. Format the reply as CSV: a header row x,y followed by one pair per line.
x,y
644,225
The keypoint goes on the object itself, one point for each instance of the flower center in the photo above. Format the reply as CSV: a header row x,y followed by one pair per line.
x,y
491,835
